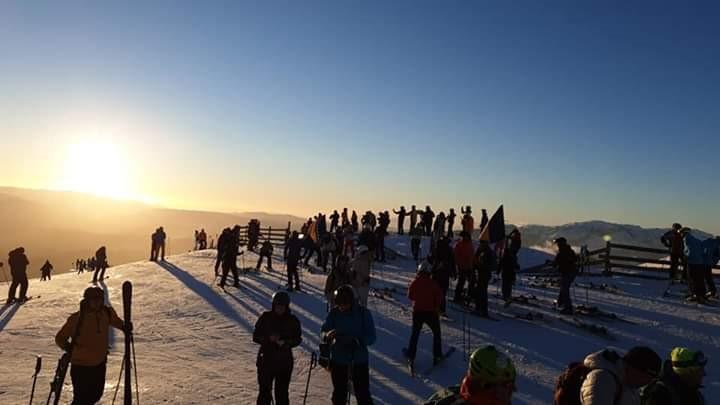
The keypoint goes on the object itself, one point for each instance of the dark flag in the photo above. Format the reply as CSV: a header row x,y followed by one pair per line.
x,y
494,231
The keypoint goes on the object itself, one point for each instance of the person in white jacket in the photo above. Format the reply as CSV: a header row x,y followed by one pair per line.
x,y
616,380
360,267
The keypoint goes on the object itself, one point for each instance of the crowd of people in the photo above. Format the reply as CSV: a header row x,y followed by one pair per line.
x,y
692,261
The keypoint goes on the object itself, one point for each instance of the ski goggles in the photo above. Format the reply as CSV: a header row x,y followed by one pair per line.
x,y
698,360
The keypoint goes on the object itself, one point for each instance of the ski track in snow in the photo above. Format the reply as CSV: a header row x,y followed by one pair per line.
x,y
194,340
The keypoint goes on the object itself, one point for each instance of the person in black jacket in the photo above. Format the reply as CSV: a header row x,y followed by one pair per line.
x,y
230,254
45,271
401,219
277,332
566,263
100,264
427,218
485,264
221,246
508,267
292,256
451,223
18,263
334,221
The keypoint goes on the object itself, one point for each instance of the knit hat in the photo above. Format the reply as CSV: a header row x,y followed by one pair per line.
x,y
644,359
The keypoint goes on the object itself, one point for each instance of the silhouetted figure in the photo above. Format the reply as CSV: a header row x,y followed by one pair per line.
x,y
230,254
673,240
202,239
416,234
515,241
354,221
484,219
566,263
467,221
100,264
334,221
18,263
450,223
221,247
413,213
266,250
45,271
253,234
401,219
292,254
345,220
427,218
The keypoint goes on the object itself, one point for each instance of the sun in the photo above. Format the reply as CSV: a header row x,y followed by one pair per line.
x,y
96,166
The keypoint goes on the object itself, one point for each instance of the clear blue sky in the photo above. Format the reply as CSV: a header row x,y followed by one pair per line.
x,y
563,111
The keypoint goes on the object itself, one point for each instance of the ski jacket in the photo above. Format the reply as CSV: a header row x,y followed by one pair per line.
x,y
443,262
266,249
602,383
485,262
566,260
712,251
292,250
694,250
468,223
360,266
90,348
17,261
673,240
287,328
509,265
670,390
464,255
354,332
47,267
425,294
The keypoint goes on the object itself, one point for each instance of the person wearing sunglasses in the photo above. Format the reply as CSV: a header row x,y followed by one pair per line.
x,y
681,380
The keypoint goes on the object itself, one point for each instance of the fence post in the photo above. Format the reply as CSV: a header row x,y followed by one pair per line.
x,y
608,265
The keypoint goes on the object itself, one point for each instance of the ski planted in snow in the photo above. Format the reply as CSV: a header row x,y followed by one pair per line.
x,y
127,315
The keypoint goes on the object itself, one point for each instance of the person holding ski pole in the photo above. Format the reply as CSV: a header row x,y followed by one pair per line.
x,y
89,329
277,332
566,263
426,296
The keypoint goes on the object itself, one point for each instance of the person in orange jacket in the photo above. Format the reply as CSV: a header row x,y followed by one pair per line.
x,y
89,330
426,296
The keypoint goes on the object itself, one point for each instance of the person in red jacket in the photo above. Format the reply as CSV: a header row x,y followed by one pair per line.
x,y
426,296
464,259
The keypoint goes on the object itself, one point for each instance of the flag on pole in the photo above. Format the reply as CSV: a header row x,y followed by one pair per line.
x,y
494,231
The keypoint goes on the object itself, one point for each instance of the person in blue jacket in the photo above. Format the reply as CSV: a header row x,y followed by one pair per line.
x,y
712,256
695,253
349,329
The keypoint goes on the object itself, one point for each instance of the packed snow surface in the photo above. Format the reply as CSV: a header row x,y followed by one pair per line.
x,y
194,340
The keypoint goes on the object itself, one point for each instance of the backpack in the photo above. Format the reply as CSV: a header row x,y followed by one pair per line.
x,y
570,381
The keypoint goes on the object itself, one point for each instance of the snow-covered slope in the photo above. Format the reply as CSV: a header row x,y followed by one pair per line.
x,y
194,343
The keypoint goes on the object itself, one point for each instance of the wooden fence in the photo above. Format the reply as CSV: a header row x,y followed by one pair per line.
x,y
277,236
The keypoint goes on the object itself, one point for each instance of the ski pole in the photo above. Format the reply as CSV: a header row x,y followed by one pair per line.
x,y
38,365
137,387
313,363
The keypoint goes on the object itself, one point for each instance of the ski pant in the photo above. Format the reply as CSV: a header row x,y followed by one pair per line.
x,y
292,273
507,286
464,275
675,260
328,256
360,376
315,250
160,251
229,264
428,228
88,383
450,233
564,300
101,271
218,262
415,248
22,281
266,376
380,249
696,279
481,295
401,226
709,280
432,319
153,251
260,260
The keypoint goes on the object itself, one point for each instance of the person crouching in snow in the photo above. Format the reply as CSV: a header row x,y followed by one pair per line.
x,y
426,296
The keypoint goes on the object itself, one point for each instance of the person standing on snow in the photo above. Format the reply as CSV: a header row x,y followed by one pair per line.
x,y
221,246
89,331
508,267
413,213
467,221
266,250
464,260
354,221
416,234
230,254
401,219
566,263
485,263
712,256
673,240
292,258
360,268
426,296
18,263
349,329
45,270
680,382
438,228
451,223
695,257
427,219
100,264
277,332
334,221
328,249
490,380
344,217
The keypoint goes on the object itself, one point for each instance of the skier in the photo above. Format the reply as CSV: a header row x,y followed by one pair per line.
x,y
100,264
450,223
45,270
483,219
464,260
712,256
614,379
416,234
291,254
221,247
485,263
18,263
515,241
229,259
334,221
443,268
566,263
427,219
695,258
277,332
508,267
349,241
673,240
438,228
354,221
202,240
154,245
413,213
401,219
680,382
349,329
380,233
266,250
490,380
89,330
426,296
467,222
360,270
339,276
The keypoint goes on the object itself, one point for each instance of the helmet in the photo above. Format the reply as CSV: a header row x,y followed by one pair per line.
x,y
94,292
686,361
281,298
560,241
344,295
424,267
490,367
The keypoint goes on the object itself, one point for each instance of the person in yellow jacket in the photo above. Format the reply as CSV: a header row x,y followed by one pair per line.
x,y
89,330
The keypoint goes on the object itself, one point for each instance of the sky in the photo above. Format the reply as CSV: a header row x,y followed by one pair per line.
x,y
561,110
